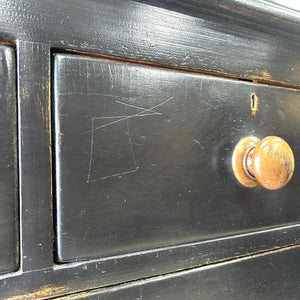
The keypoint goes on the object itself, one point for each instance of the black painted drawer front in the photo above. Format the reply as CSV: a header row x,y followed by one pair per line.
x,y
269,276
143,156
8,161
274,275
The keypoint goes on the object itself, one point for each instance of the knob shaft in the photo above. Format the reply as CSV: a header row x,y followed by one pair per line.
x,y
268,162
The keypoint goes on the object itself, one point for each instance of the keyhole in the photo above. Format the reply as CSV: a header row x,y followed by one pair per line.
x,y
254,103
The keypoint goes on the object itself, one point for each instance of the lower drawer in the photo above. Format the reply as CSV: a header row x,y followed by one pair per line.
x,y
143,156
268,276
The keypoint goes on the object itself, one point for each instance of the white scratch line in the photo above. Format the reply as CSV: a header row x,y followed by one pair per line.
x,y
117,121
160,104
201,88
115,175
139,114
111,117
138,107
111,77
141,293
91,152
131,146
197,142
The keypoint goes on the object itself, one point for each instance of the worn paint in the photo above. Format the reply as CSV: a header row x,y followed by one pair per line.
x,y
8,43
224,6
265,75
43,293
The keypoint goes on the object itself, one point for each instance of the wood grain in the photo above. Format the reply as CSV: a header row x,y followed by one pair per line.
x,y
236,39
271,162
9,232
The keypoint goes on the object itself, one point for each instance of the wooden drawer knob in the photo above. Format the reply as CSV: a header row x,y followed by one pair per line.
x,y
268,162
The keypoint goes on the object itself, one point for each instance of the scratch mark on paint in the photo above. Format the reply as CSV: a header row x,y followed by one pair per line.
x,y
197,142
115,175
91,152
162,103
144,112
111,77
110,117
139,107
131,146
141,293
116,121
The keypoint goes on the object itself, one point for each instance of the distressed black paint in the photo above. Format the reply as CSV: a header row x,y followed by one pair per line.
x,y
235,39
9,233
143,156
269,276
249,40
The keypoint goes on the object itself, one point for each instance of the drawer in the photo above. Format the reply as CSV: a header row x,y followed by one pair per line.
x,y
8,162
143,156
255,277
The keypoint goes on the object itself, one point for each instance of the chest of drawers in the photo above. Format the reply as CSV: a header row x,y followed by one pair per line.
x,y
120,120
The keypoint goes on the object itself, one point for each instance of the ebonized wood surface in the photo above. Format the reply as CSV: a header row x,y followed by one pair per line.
x,y
266,276
143,156
9,232
233,39
237,38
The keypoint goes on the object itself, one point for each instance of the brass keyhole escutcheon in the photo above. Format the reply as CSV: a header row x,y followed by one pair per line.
x,y
268,162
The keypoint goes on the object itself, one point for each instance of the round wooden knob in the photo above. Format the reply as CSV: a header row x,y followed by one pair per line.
x,y
268,162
